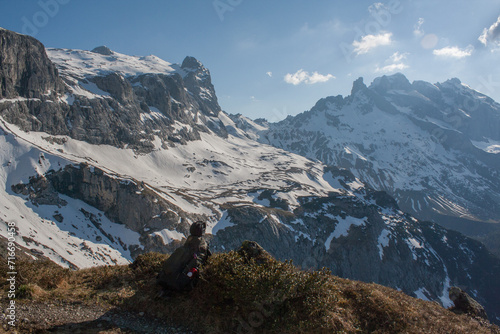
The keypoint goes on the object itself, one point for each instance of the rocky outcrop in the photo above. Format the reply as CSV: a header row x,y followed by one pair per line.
x,y
199,82
252,251
466,304
103,50
25,69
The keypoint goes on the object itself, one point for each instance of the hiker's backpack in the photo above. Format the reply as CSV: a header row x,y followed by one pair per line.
x,y
181,270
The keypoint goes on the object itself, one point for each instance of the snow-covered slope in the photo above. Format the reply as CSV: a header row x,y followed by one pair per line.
x,y
59,232
194,177
81,64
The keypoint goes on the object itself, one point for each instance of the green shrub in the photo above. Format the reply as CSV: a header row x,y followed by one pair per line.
x,y
25,291
274,296
148,264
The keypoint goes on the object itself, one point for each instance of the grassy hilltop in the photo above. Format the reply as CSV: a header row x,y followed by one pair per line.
x,y
235,295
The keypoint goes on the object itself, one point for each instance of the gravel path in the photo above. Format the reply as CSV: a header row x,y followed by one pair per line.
x,y
75,318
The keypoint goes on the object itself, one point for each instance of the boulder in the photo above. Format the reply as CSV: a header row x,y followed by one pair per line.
x,y
252,250
466,304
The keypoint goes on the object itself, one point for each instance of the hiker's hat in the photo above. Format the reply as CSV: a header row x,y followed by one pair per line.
x,y
198,228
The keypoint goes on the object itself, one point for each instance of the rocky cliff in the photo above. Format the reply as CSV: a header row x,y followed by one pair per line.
x,y
25,69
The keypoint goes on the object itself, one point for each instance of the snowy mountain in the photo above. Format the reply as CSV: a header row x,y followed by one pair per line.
x,y
105,156
434,148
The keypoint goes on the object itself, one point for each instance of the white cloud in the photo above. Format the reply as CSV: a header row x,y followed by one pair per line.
x,y
491,34
454,52
270,74
394,63
397,57
316,77
417,29
392,68
370,42
302,76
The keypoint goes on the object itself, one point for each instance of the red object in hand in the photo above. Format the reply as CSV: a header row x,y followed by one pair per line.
x,y
191,273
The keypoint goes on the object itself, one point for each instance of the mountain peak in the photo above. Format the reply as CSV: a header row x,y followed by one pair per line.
x,y
385,83
191,63
103,50
358,85
325,103
455,82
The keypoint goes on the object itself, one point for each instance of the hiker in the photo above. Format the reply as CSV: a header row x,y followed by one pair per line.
x,y
181,270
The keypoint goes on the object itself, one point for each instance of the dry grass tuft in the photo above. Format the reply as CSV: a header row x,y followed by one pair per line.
x,y
237,294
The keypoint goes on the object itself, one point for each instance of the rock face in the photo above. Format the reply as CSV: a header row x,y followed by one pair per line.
x,y
25,69
127,202
434,148
105,107
29,84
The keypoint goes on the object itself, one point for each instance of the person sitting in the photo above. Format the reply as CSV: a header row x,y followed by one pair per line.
x,y
181,270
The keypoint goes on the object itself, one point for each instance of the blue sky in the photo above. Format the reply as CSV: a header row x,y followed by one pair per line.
x,y
274,58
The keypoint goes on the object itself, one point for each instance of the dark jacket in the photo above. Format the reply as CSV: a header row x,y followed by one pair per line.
x,y
187,258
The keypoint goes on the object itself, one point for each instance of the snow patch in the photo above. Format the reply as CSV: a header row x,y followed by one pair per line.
x,y
445,298
423,294
490,146
344,225
255,198
223,223
92,88
67,98
81,63
383,241
154,114
329,241
414,243
298,234
168,235
342,228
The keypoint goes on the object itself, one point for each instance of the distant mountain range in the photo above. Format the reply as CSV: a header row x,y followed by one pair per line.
x,y
105,156
434,148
